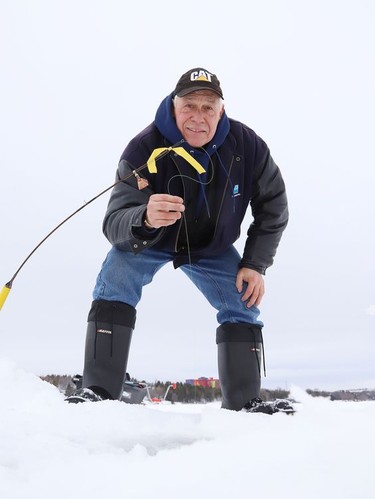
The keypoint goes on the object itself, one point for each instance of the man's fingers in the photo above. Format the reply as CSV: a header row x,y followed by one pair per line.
x,y
239,283
256,296
166,202
164,209
166,197
248,292
254,291
164,219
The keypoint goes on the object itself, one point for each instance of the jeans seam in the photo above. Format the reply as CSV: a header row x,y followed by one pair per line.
x,y
220,293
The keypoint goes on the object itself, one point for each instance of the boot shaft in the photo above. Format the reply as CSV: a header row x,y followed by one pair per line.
x,y
240,348
109,331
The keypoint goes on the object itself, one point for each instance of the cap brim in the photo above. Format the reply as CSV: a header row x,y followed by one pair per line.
x,y
187,91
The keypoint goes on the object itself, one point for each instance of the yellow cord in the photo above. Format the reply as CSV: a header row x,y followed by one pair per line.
x,y
151,163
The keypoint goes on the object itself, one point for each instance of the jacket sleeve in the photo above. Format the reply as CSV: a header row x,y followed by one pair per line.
x,y
123,221
270,212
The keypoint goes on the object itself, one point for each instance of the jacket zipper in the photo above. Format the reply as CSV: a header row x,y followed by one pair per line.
x,y
224,192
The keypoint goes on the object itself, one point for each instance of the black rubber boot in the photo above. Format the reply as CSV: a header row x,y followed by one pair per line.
x,y
109,332
239,361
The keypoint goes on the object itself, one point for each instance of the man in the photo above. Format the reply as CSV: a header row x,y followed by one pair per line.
x,y
203,172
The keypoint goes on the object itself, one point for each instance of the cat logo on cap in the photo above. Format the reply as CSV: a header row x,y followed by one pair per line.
x,y
200,75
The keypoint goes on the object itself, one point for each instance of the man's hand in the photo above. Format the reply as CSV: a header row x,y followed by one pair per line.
x,y
164,210
255,286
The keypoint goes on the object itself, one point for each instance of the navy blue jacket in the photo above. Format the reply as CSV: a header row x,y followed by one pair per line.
x,y
240,172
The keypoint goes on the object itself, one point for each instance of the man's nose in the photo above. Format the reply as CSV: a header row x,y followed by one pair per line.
x,y
198,115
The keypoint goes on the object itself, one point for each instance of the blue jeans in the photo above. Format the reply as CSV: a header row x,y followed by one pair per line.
x,y
124,274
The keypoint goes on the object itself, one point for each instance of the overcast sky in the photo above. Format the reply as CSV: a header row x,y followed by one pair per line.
x,y
80,78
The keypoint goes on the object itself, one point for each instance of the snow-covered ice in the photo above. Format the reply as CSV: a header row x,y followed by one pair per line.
x,y
51,449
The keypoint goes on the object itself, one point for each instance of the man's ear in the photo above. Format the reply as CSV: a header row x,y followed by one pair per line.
x,y
222,111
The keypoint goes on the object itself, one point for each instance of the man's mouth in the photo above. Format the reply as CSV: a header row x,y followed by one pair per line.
x,y
195,130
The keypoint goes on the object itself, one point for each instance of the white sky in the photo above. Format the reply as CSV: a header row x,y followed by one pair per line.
x,y
80,78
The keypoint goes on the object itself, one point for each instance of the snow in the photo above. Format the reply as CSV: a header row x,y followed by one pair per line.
x,y
49,448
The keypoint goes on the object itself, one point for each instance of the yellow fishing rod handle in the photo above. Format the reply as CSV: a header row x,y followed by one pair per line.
x,y
4,295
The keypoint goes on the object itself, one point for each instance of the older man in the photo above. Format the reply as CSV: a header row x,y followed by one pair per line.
x,y
204,171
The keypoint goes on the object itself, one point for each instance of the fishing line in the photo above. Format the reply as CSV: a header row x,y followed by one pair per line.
x,y
200,182
8,286
185,223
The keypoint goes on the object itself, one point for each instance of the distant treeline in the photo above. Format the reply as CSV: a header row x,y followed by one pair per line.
x,y
357,395
178,392
188,393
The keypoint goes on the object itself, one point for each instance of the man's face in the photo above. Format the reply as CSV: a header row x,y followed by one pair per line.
x,y
197,116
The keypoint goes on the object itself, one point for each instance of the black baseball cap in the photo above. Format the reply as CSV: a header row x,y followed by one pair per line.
x,y
197,79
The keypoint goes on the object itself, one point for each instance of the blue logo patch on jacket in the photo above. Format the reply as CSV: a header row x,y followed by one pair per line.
x,y
236,190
